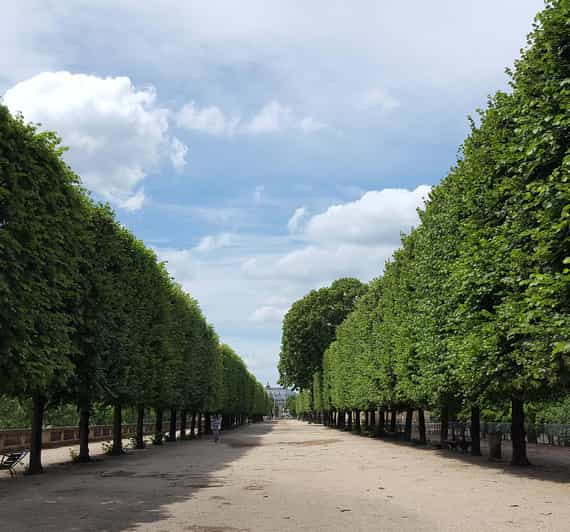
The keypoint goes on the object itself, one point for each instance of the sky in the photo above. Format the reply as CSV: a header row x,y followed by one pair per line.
x,y
262,149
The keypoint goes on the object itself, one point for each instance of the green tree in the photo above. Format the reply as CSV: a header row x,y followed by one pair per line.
x,y
310,326
40,211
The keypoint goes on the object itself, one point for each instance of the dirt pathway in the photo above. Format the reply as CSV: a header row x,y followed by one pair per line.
x,y
287,476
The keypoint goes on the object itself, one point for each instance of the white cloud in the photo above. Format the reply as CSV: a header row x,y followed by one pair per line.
x,y
275,117
213,242
310,125
180,263
272,117
377,98
295,222
211,42
248,282
377,217
22,56
178,154
211,120
349,239
135,202
115,131
268,314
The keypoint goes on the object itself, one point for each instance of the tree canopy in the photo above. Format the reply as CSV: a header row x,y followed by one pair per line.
x,y
88,313
474,308
310,326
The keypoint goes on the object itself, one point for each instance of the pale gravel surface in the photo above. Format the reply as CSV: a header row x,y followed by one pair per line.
x,y
290,476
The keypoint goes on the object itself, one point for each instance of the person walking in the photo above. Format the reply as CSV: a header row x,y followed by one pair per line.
x,y
216,425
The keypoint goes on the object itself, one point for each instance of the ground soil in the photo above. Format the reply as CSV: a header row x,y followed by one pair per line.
x,y
289,476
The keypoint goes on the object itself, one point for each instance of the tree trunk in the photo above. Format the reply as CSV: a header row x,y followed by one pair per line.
x,y
366,420
518,436
422,425
349,420
84,433
408,425
158,433
199,422
475,431
372,418
117,430
183,417
172,428
357,420
207,428
393,420
35,465
139,437
381,422
444,424
117,448
193,426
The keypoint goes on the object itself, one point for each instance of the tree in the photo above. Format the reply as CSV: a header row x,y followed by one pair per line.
x,y
310,326
40,211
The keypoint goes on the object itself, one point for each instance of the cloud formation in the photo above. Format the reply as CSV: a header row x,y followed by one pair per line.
x,y
296,221
211,120
268,314
178,154
273,117
114,131
250,281
378,217
213,242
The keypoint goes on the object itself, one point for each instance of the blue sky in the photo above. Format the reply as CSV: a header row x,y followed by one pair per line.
x,y
262,148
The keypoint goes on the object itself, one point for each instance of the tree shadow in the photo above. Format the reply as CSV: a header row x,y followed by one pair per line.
x,y
119,493
549,463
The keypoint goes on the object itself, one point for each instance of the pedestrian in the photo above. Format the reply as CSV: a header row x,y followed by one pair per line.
x,y
216,425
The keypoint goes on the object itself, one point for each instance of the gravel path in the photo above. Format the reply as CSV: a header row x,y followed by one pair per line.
x,y
289,476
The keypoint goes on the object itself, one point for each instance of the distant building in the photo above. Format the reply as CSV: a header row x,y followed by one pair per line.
x,y
280,396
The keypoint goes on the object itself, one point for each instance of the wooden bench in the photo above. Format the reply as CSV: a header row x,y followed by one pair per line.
x,y
9,460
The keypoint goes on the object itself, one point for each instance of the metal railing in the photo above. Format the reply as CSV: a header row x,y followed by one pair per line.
x,y
541,433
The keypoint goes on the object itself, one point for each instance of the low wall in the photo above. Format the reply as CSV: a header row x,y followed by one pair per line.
x,y
60,436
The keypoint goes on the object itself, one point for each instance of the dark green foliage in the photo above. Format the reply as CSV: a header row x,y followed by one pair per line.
x,y
473,311
40,217
310,326
88,315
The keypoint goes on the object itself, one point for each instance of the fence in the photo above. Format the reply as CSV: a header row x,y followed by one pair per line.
x,y
543,433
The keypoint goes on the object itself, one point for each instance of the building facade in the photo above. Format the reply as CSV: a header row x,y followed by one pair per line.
x,y
280,396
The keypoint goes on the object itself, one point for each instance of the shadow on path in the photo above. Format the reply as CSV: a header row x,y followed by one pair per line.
x,y
548,463
118,493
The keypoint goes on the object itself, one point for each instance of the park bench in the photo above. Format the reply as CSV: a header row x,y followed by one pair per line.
x,y
9,460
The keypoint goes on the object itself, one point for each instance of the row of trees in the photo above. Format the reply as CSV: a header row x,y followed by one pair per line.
x,y
89,315
474,308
